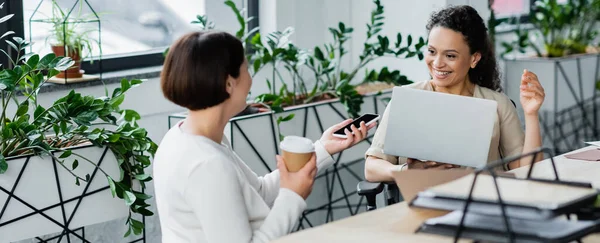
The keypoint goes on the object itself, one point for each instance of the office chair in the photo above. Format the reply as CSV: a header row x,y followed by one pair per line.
x,y
370,190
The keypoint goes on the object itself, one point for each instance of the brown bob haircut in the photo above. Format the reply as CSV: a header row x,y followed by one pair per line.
x,y
197,66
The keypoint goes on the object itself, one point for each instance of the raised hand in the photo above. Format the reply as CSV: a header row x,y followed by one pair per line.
x,y
532,93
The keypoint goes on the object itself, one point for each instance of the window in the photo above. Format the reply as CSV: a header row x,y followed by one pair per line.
x,y
134,34
505,9
509,8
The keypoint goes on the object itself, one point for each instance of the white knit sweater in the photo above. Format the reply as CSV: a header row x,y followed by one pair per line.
x,y
206,193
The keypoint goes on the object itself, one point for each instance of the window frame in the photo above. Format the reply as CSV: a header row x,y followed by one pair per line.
x,y
108,63
523,18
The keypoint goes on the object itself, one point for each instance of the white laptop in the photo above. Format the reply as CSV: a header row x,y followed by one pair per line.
x,y
440,127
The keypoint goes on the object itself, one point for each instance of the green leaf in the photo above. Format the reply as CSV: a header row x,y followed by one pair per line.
x,y
142,196
137,226
319,54
114,138
3,164
6,18
342,27
136,82
64,64
256,65
77,181
239,17
87,177
117,101
145,212
129,198
7,34
56,129
256,41
125,85
47,59
63,127
127,233
65,154
39,110
131,115
288,118
409,40
143,177
23,108
145,160
111,184
75,164
12,45
33,61
52,72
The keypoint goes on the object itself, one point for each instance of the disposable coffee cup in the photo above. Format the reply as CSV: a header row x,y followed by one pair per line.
x,y
296,152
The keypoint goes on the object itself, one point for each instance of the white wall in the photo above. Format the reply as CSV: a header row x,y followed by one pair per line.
x,y
398,18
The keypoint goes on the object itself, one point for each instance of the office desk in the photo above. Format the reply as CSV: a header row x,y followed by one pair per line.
x,y
568,169
397,223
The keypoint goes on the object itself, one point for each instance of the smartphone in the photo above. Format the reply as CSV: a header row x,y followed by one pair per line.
x,y
367,118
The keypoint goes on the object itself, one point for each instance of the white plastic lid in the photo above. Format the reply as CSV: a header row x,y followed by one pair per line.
x,y
295,144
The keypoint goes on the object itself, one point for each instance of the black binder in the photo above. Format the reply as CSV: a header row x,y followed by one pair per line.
x,y
491,228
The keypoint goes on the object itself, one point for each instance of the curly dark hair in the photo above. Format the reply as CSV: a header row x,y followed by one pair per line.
x,y
465,20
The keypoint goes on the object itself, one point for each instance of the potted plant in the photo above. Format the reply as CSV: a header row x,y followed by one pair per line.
x,y
324,65
69,156
70,37
566,67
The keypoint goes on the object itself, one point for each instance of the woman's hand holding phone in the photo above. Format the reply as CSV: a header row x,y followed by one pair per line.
x,y
335,144
368,119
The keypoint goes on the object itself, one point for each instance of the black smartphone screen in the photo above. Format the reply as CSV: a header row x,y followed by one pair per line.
x,y
366,118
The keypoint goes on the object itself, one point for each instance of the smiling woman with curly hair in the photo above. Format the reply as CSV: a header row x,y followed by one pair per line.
x,y
461,61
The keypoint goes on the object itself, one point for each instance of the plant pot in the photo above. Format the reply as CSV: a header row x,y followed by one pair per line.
x,y
555,50
372,87
38,183
75,70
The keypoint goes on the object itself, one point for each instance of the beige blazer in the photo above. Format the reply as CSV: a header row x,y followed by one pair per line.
x,y
507,138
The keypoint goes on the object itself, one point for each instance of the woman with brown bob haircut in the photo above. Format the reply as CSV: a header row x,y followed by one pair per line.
x,y
204,191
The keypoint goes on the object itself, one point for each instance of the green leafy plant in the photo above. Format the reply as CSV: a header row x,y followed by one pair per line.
x,y
565,28
520,42
325,64
71,121
301,76
385,75
72,31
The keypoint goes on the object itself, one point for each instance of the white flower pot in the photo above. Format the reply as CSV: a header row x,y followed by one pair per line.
x,y
46,197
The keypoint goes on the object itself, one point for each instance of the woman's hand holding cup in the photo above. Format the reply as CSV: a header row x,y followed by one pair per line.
x,y
297,165
301,181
